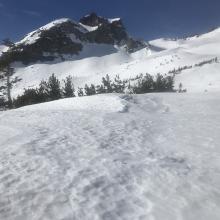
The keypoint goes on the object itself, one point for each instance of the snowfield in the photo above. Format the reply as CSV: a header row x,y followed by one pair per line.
x,y
112,157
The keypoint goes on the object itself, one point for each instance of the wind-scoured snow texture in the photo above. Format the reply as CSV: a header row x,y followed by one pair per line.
x,y
97,60
86,158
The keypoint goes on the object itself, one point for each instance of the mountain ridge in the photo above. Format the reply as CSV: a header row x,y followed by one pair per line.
x,y
183,57
66,36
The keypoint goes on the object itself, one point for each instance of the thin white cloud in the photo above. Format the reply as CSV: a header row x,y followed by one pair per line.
x,y
31,13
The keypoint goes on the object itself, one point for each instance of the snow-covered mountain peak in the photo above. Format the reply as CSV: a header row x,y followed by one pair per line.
x,y
93,20
65,37
36,34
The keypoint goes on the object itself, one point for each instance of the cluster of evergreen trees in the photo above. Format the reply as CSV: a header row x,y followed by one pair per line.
x,y
107,86
147,84
46,91
52,90
140,84
214,60
180,69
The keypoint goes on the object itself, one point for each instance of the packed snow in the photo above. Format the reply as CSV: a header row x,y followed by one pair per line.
x,y
112,157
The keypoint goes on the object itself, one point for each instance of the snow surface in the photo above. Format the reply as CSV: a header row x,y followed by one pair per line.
x,y
111,20
89,28
3,49
111,157
97,60
164,43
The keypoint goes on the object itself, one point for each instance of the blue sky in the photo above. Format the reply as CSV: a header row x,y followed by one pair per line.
x,y
145,19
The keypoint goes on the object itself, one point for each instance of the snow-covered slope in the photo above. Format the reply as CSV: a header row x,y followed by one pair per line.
x,y
144,157
97,60
3,49
165,44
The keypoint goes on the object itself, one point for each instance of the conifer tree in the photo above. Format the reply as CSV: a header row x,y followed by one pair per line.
x,y
68,89
80,92
100,89
107,84
118,85
159,84
90,90
7,69
54,87
169,82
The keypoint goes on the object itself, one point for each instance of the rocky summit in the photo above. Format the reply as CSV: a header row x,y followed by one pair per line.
x,y
67,37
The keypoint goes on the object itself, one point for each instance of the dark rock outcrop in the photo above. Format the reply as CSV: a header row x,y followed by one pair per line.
x,y
68,37
93,20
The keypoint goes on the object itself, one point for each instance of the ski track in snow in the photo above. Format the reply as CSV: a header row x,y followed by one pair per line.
x,y
158,158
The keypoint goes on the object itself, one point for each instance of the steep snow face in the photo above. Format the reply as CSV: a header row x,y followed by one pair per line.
x,y
156,159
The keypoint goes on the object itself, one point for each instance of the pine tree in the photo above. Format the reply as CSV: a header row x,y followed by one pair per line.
x,y
180,88
68,89
43,91
159,84
107,84
8,71
100,89
90,90
169,82
86,89
147,83
54,88
5,66
118,85
80,92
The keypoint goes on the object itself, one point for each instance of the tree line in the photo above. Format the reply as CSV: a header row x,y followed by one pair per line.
x,y
52,90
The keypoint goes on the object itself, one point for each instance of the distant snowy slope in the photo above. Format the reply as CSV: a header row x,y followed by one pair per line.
x,y
165,44
201,44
